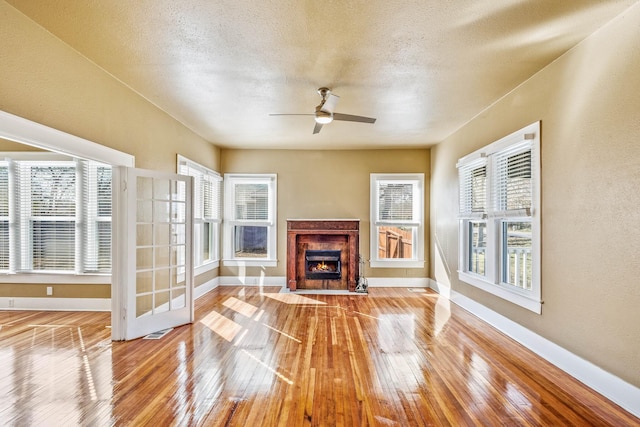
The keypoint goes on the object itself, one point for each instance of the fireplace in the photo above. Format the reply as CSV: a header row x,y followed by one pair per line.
x,y
323,265
322,254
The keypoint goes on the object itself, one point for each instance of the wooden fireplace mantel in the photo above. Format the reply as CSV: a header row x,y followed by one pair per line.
x,y
321,230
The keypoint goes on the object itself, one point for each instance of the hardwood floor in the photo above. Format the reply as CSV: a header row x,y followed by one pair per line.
x,y
252,358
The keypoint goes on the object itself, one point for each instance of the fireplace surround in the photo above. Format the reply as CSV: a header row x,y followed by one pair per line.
x,y
322,254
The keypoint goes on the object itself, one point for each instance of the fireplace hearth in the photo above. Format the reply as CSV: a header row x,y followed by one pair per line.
x,y
322,254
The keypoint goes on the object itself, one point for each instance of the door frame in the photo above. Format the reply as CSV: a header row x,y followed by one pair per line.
x,y
24,131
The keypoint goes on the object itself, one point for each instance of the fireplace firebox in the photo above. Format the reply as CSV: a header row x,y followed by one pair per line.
x,y
322,264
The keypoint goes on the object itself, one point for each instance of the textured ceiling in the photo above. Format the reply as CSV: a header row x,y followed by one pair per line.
x,y
423,68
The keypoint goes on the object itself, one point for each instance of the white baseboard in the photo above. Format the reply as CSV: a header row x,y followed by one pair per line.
x,y
373,282
397,282
55,304
206,287
612,387
252,281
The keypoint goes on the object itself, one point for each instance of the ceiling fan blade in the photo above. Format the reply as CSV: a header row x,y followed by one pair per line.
x,y
330,103
291,114
350,118
316,128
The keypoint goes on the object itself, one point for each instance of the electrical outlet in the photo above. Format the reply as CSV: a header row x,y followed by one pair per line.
x,y
49,290
11,302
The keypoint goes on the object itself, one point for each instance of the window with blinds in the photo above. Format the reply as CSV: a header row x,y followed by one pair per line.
x,y
513,185
4,217
473,189
62,215
250,225
47,194
397,219
499,227
207,209
96,202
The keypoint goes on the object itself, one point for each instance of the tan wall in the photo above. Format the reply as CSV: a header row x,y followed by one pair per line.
x,y
59,290
590,111
328,184
43,80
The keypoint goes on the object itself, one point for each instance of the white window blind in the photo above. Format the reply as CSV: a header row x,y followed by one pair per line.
x,y
47,206
207,189
473,190
211,198
96,195
4,216
395,201
251,202
512,191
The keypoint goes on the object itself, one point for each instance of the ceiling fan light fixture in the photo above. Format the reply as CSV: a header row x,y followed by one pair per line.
x,y
323,117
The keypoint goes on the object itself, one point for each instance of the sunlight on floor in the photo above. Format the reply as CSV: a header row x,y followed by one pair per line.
x,y
239,306
282,333
227,329
294,299
269,368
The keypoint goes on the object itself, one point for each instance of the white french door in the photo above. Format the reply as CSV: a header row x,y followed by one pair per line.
x,y
152,261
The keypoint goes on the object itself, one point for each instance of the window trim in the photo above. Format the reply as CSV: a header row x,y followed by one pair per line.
x,y
229,221
418,260
213,262
527,138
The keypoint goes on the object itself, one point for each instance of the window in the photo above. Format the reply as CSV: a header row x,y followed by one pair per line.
x,y
207,212
499,218
250,219
96,202
4,216
397,220
62,215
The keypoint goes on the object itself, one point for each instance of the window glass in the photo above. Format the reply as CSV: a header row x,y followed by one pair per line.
x,y
517,255
250,241
395,242
477,247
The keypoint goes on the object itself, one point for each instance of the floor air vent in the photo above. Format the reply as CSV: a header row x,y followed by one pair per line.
x,y
157,335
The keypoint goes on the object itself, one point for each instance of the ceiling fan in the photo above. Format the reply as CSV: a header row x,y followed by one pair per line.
x,y
324,112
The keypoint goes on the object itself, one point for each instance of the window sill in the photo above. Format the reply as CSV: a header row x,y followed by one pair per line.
x,y
396,264
250,262
53,278
501,292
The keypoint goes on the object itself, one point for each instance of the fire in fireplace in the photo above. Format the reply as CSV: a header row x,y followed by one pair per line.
x,y
322,265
